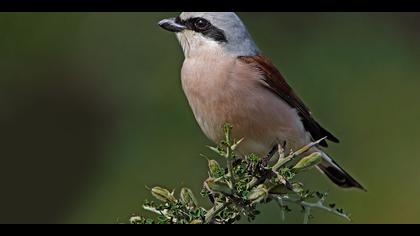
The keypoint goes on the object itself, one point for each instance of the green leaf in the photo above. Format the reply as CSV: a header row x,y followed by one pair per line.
x,y
258,194
215,185
163,194
214,169
187,197
308,161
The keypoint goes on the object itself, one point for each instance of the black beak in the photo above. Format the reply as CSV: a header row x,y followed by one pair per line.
x,y
171,25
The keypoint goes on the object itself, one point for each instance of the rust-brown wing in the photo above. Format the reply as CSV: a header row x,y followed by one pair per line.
x,y
277,84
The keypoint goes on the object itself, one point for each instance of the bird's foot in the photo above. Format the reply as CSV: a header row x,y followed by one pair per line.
x,y
270,155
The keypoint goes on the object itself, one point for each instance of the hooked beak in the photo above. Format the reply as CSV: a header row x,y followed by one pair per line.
x,y
171,25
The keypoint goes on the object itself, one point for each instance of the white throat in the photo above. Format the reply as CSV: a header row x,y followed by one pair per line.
x,y
196,45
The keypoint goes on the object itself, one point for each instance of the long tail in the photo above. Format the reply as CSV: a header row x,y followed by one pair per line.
x,y
337,174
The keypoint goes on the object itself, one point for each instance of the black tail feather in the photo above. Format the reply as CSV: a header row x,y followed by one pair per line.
x,y
337,174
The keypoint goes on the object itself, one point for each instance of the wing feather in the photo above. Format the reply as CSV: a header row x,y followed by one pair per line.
x,y
275,82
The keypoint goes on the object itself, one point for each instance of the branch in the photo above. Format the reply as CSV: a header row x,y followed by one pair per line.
x,y
210,215
237,189
308,206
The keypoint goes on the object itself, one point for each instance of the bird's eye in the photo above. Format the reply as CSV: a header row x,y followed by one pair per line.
x,y
178,20
201,24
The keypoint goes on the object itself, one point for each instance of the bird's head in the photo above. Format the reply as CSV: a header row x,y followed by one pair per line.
x,y
201,32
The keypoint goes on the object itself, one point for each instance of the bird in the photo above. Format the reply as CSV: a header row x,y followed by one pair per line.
x,y
227,79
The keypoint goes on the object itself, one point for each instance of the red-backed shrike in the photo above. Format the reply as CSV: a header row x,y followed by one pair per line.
x,y
226,79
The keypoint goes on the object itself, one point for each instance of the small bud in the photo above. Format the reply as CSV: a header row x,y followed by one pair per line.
x,y
214,167
227,128
188,198
214,185
163,194
308,161
258,194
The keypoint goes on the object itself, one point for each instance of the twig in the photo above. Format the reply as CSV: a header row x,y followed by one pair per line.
x,y
215,210
230,173
307,215
319,204
279,201
292,155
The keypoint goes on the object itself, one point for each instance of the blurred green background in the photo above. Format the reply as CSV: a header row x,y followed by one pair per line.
x,y
92,111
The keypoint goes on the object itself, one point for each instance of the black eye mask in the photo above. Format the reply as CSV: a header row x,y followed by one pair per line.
x,y
204,27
